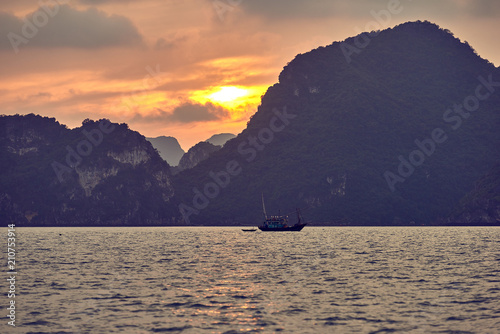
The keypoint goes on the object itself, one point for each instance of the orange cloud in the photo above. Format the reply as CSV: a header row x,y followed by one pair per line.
x,y
91,60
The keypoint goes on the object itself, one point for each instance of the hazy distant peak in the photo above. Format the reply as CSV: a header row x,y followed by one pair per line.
x,y
166,137
220,139
169,149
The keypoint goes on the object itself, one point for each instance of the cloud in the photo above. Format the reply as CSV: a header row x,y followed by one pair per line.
x,y
64,26
40,95
194,112
8,23
310,9
100,2
187,112
489,8
173,41
289,8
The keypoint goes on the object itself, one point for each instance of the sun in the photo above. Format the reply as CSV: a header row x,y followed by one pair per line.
x,y
227,94
240,102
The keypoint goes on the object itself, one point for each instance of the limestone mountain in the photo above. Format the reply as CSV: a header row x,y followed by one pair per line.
x,y
482,205
169,149
197,154
98,174
387,127
220,139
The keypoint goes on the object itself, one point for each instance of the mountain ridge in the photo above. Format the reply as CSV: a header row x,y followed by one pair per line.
x,y
197,154
101,173
330,137
169,148
220,139
366,112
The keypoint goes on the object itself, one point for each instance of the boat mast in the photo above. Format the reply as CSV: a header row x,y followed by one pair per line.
x,y
263,206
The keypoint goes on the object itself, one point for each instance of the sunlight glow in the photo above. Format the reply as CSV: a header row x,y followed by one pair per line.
x,y
238,99
227,94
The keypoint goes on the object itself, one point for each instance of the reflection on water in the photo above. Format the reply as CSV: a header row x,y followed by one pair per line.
x,y
223,280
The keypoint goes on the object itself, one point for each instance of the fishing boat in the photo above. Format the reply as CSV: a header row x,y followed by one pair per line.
x,y
249,229
280,223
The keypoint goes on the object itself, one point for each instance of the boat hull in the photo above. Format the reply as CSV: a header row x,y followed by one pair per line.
x,y
294,228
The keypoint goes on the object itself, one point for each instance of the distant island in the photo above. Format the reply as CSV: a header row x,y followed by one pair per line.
x,y
169,149
392,127
172,152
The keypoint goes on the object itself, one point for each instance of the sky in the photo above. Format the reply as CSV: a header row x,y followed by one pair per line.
x,y
189,68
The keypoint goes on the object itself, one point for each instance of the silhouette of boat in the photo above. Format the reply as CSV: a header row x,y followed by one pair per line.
x,y
249,229
280,223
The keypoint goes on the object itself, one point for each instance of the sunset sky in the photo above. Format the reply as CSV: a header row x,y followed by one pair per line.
x,y
189,68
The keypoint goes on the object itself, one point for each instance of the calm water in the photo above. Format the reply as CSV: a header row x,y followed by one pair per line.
x,y
223,280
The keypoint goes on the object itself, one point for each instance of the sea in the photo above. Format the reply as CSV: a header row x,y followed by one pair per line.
x,y
224,280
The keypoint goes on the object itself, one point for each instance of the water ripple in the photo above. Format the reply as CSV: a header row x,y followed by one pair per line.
x,y
220,280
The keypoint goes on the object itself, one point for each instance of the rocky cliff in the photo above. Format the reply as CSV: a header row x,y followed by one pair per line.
x,y
169,149
387,127
197,154
482,205
220,139
98,174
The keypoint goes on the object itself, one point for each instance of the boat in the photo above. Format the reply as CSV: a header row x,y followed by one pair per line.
x,y
280,223
249,229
